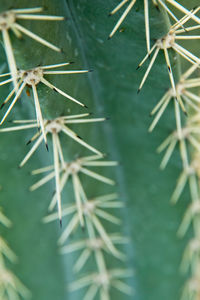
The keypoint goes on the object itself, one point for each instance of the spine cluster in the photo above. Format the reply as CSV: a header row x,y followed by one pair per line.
x,y
92,212
82,211
10,286
185,96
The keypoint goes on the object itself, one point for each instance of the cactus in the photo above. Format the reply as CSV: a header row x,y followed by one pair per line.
x,y
69,86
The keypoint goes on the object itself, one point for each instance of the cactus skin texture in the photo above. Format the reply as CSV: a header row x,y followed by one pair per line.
x,y
153,251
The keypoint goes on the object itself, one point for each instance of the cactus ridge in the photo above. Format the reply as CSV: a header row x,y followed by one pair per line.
x,y
92,214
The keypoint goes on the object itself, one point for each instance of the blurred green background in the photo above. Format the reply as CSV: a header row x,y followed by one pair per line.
x,y
110,90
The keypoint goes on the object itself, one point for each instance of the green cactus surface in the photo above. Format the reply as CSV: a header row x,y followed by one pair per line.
x,y
152,251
